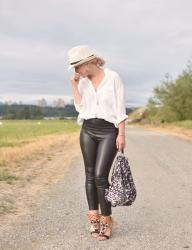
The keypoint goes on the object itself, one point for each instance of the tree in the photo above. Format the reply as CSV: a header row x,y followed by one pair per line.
x,y
42,102
59,103
172,100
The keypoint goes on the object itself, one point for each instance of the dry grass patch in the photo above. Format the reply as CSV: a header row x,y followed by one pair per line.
x,y
181,132
31,169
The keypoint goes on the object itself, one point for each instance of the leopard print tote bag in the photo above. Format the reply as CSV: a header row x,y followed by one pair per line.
x,y
122,190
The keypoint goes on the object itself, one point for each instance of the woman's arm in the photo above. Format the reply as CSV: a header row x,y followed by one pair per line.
x,y
121,113
120,104
78,100
121,127
76,94
120,140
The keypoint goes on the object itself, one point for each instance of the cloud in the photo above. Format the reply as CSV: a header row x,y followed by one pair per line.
x,y
142,40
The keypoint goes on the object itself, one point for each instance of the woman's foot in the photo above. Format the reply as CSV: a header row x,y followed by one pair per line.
x,y
94,219
106,224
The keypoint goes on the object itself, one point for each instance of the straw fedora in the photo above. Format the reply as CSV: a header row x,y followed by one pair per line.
x,y
81,54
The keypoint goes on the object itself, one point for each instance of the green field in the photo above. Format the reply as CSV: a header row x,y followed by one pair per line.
x,y
15,132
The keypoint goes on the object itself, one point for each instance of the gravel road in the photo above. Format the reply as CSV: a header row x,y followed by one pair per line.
x,y
160,218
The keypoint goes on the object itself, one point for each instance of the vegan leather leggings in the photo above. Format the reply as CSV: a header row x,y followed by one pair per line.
x,y
98,147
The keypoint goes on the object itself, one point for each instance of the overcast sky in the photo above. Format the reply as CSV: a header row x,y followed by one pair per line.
x,y
141,40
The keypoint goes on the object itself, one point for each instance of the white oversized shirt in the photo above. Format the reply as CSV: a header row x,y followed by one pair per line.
x,y
107,102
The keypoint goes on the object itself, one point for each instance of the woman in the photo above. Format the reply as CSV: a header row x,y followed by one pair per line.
x,y
100,100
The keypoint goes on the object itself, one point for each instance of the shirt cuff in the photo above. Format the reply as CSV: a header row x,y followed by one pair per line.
x,y
120,119
78,106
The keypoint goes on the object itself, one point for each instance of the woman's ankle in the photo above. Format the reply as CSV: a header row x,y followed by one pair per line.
x,y
94,211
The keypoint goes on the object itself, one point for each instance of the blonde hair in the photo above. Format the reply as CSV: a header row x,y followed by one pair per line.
x,y
98,61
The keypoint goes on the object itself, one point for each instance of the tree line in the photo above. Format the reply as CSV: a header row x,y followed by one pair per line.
x,y
24,111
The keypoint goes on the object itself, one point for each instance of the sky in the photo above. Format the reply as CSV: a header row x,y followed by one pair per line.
x,y
142,40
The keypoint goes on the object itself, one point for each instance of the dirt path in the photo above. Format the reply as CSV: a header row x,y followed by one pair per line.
x,y
159,219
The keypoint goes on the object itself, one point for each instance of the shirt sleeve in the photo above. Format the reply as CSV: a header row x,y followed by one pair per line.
x,y
79,106
120,100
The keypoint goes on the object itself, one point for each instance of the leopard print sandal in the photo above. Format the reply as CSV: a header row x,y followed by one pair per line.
x,y
94,219
106,224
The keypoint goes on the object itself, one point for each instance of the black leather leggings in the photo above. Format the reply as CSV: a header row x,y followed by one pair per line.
x,y
98,147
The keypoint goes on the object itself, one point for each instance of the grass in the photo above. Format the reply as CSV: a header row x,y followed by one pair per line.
x,y
16,132
6,207
6,176
136,114
24,140
184,124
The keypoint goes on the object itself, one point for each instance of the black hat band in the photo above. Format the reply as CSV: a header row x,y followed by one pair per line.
x,y
80,60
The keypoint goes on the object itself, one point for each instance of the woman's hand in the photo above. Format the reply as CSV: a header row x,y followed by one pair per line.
x,y
75,79
120,142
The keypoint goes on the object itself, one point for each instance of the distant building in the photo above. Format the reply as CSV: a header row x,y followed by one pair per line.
x,y
51,118
59,118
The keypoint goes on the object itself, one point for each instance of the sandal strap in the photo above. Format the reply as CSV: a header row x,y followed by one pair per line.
x,y
105,223
106,236
93,217
108,220
95,231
